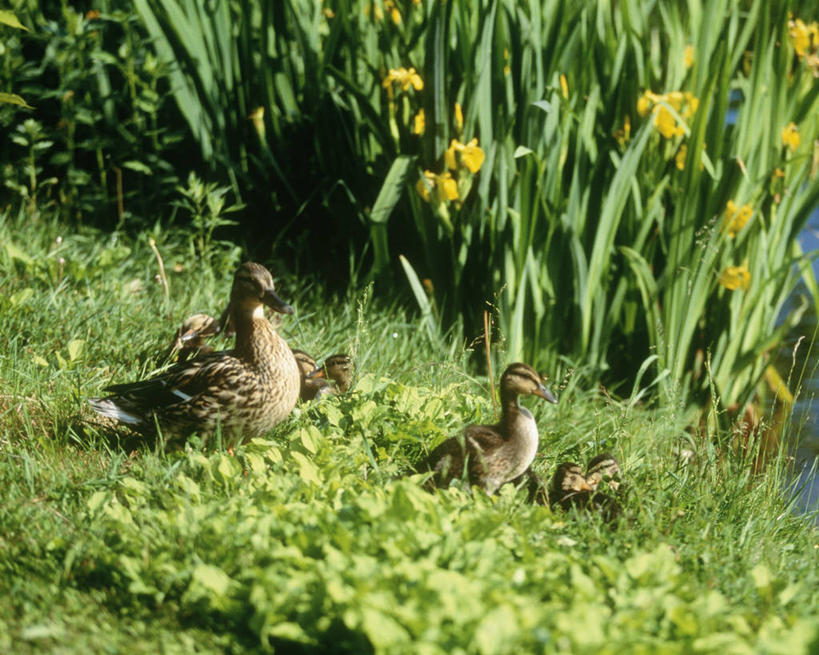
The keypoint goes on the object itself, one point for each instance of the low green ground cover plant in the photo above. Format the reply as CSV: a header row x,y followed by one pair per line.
x,y
318,537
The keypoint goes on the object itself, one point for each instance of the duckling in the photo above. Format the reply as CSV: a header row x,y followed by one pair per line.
x,y
338,369
243,392
311,385
604,467
605,479
570,487
190,337
492,455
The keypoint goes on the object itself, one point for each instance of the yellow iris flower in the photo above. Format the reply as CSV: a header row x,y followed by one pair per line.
x,y
736,217
736,277
470,154
443,185
682,102
790,136
404,78
804,38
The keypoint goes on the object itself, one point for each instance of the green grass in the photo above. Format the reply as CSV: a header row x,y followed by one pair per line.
x,y
313,539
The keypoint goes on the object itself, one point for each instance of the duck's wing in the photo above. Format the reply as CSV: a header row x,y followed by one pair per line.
x,y
136,402
484,439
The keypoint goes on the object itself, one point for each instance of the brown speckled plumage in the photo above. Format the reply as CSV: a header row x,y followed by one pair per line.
x,y
243,392
492,455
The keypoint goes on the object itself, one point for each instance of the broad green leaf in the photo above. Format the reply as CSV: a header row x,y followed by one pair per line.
x,y
391,189
75,347
9,18
211,578
307,469
14,99
15,252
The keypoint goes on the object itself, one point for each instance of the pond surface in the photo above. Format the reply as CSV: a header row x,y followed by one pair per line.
x,y
805,424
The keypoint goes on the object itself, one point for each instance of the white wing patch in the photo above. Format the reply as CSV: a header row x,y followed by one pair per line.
x,y
181,394
108,408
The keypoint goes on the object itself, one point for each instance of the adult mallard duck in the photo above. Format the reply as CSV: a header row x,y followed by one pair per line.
x,y
242,392
339,370
569,487
189,339
492,455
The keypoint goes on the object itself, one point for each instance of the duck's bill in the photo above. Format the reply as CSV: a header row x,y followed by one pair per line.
x,y
317,372
188,335
272,300
544,393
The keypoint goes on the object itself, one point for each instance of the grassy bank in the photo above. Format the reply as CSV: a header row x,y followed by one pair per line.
x,y
313,539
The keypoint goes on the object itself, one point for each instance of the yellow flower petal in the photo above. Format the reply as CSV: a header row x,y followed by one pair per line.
x,y
790,136
688,56
424,184
664,122
449,186
472,156
564,86
643,105
736,217
419,123
736,277
449,156
679,158
459,117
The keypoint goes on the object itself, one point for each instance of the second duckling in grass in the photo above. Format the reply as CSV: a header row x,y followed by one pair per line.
x,y
339,370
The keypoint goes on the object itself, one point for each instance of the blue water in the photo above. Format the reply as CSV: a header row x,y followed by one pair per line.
x,y
805,423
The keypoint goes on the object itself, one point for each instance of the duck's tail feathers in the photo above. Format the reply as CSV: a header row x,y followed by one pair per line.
x,y
107,407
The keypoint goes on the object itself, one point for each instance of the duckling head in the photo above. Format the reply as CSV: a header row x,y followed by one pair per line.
x,y
569,485
307,364
603,467
253,288
522,379
195,329
339,369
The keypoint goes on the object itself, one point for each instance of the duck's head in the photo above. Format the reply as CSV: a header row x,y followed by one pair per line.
x,y
339,369
253,288
195,329
569,483
603,467
522,379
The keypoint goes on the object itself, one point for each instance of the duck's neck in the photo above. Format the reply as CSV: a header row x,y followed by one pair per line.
x,y
511,413
255,337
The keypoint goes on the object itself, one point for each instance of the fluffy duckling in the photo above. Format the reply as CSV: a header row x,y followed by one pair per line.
x,y
339,370
243,392
310,384
569,487
605,479
189,339
492,455
604,468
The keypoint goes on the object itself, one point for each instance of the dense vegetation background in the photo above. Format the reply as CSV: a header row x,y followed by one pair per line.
x,y
619,184
599,175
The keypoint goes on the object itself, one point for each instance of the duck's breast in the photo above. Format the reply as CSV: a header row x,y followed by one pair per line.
x,y
523,445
